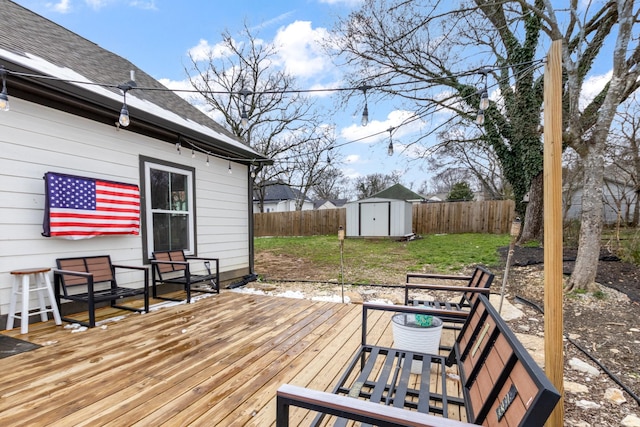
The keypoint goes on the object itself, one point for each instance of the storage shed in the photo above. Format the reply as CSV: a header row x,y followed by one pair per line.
x,y
379,217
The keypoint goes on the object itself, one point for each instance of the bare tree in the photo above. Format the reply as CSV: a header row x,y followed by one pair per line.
x,y
331,184
368,185
623,155
422,44
239,80
587,126
422,52
310,162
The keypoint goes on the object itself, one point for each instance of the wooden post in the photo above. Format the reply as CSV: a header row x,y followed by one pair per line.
x,y
553,287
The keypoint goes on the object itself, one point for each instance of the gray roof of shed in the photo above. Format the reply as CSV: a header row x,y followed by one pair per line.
x,y
397,192
35,43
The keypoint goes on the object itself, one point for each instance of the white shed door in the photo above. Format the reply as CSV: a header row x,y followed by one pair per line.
x,y
374,219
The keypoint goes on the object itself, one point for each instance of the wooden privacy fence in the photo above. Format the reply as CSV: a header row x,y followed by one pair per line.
x,y
299,223
493,216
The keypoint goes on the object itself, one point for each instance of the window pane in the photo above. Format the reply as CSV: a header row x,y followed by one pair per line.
x,y
170,231
179,195
159,189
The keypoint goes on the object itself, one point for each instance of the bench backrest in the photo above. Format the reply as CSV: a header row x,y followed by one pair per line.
x,y
100,266
481,278
177,255
502,384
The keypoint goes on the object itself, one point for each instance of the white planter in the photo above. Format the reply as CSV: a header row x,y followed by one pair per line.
x,y
408,335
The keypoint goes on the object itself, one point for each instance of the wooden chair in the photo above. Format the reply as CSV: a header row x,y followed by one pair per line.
x,y
78,279
499,382
476,284
174,267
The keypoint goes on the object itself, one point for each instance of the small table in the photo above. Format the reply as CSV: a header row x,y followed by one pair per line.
x,y
42,286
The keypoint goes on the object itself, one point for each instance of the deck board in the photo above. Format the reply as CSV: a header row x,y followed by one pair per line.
x,y
217,361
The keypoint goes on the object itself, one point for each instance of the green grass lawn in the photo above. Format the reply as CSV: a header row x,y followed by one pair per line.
x,y
367,260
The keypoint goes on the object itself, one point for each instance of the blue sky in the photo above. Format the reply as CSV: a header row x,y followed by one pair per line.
x,y
158,35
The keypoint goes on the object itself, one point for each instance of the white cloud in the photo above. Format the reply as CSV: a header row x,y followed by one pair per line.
x,y
97,4
63,6
350,3
592,86
403,123
272,21
352,158
300,51
144,4
203,51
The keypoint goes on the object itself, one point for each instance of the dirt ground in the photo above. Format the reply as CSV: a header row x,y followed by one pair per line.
x,y
600,329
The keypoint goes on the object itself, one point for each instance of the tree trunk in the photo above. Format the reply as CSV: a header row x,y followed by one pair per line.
x,y
586,267
533,226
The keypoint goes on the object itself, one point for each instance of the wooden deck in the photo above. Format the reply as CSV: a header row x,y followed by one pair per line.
x,y
215,362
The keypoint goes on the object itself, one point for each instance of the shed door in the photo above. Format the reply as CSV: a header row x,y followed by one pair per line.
x,y
375,219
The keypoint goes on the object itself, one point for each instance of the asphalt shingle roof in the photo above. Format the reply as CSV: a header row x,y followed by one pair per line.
x,y
28,34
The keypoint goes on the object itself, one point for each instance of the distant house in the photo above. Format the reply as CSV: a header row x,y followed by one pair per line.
x,y
619,199
329,204
64,105
279,197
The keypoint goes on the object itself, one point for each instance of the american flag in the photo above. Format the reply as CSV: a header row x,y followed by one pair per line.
x,y
80,208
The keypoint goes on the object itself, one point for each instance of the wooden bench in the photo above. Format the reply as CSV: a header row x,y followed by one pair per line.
x,y
174,267
499,382
92,280
476,284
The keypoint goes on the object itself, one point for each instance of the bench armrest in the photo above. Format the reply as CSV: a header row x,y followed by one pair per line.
x,y
201,258
446,288
133,267
57,272
462,315
353,409
437,276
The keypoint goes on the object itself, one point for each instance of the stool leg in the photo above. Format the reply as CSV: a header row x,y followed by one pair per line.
x,y
52,300
24,316
40,284
12,303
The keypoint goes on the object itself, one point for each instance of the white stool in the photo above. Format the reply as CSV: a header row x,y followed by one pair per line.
x,y
43,286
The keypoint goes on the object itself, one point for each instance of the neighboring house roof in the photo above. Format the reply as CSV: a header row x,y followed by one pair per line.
x,y
87,77
278,192
338,203
398,192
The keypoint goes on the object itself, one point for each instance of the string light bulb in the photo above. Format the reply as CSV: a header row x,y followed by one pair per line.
x,y
4,97
484,100
390,148
193,153
179,147
229,169
480,117
207,160
124,119
244,117
365,111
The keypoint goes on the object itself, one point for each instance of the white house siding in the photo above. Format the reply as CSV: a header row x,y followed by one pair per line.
x,y
37,139
612,194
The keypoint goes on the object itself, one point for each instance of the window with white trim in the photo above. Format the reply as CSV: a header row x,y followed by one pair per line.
x,y
169,208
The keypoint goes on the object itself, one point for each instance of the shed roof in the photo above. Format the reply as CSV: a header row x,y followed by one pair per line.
x,y
398,192
84,78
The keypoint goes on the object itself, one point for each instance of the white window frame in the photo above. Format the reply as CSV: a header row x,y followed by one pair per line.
x,y
148,165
